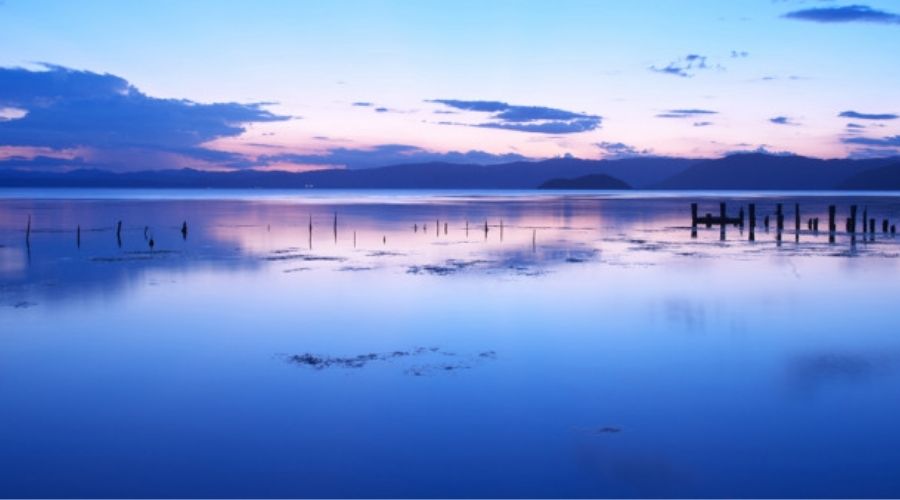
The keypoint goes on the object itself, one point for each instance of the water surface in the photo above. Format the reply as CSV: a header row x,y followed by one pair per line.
x,y
446,344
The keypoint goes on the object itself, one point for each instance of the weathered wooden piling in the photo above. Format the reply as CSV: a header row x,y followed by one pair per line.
x,y
415,228
851,223
865,218
722,212
893,229
693,215
445,228
872,226
832,227
741,216
184,230
752,213
766,222
779,217
884,226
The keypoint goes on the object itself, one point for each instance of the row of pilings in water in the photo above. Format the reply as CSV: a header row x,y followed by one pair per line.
x,y
869,225
148,235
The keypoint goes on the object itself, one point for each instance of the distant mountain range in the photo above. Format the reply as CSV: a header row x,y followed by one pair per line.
x,y
750,171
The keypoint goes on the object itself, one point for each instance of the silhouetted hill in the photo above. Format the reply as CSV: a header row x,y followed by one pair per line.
x,y
767,172
743,171
881,178
593,181
517,175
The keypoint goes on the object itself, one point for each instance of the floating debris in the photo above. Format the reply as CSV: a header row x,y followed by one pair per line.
x,y
318,362
358,361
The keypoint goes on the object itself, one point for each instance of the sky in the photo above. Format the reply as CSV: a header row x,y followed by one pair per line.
x,y
297,85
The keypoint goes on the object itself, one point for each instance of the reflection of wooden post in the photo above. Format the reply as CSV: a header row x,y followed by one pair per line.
x,y
693,215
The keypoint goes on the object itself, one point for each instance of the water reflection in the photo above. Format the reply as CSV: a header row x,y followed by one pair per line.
x,y
538,345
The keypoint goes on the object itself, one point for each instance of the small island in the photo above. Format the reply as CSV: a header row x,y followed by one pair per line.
x,y
592,181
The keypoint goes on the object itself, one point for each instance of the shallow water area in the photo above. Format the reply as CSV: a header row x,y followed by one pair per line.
x,y
444,344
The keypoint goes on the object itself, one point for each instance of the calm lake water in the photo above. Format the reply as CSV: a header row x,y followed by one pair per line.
x,y
582,345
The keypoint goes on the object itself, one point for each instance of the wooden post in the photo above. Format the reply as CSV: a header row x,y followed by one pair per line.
x,y
467,228
119,233
865,218
354,239
693,215
437,227
78,236
796,217
445,228
184,230
872,226
884,226
28,232
335,227
752,215
852,222
722,213
533,240
832,227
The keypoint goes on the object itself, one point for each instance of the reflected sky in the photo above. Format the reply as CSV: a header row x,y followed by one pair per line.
x,y
626,356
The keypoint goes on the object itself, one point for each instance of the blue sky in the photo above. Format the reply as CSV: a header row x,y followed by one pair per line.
x,y
588,78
